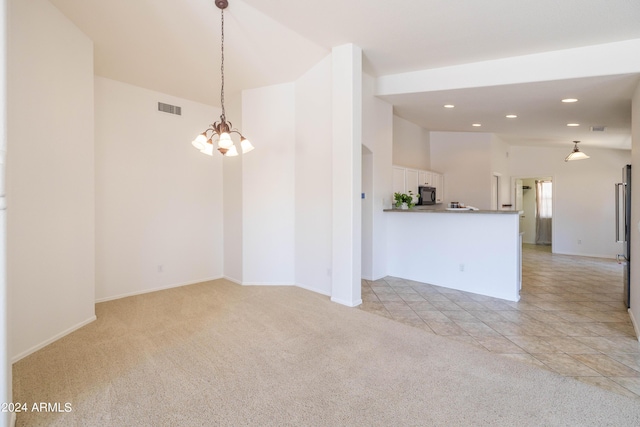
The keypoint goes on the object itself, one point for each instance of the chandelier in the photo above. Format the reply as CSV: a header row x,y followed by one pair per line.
x,y
576,154
221,130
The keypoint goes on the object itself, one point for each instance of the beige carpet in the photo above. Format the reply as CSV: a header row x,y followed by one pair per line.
x,y
222,354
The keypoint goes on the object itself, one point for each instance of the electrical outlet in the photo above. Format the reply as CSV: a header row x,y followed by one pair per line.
x,y
160,268
461,267
579,241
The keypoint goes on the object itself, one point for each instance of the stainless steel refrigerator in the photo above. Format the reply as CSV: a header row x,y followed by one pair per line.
x,y
623,227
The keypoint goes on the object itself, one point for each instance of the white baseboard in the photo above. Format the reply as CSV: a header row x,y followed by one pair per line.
x,y
312,289
308,288
635,324
603,256
232,279
162,288
347,303
56,337
267,284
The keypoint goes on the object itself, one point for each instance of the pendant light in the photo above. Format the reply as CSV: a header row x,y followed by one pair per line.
x,y
576,154
223,129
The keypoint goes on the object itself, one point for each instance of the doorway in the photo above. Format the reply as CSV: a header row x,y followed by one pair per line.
x,y
534,197
366,260
495,191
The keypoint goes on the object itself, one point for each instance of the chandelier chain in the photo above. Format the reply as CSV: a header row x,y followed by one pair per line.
x,y
222,116
220,131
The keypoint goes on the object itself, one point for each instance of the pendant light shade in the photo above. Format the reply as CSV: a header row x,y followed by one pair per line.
x,y
245,145
576,154
221,131
208,149
200,141
225,141
232,151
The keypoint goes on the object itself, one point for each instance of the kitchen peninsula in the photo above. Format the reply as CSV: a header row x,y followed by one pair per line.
x,y
473,251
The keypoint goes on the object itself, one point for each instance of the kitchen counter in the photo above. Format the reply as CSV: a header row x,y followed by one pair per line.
x,y
472,251
426,209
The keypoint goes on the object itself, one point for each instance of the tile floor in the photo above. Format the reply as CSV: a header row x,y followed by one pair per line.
x,y
570,318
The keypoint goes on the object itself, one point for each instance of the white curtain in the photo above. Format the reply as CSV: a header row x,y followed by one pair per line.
x,y
543,212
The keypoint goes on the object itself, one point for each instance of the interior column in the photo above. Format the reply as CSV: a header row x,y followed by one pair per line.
x,y
346,174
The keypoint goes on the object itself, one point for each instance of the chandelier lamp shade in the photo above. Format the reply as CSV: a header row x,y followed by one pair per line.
x,y
576,154
219,133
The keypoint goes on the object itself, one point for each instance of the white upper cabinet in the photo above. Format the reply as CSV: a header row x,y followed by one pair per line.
x,y
398,179
438,182
411,180
425,178
405,179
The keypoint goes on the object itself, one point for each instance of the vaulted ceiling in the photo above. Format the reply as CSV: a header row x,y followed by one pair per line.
x,y
174,47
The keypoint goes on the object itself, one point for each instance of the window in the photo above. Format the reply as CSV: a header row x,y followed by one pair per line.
x,y
543,199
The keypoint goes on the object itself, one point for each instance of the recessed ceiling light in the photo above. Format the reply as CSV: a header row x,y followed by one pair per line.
x,y
476,124
511,116
449,106
569,100
573,124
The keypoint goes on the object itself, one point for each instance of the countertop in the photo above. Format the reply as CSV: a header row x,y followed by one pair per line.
x,y
429,209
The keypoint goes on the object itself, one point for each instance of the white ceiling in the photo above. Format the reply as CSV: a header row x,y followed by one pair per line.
x,y
174,46
542,116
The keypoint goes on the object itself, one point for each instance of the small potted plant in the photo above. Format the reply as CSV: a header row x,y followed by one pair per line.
x,y
404,201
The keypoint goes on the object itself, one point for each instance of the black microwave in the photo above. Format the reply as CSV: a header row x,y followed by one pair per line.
x,y
427,195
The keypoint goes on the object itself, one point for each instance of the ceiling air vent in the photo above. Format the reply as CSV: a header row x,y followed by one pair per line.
x,y
598,128
171,109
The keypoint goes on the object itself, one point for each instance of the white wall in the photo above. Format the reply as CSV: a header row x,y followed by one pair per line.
x,y
411,146
158,199
232,208
465,158
5,362
377,137
268,117
270,219
346,109
313,193
500,168
583,195
232,196
451,249
50,176
529,210
366,260
603,59
310,109
635,211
